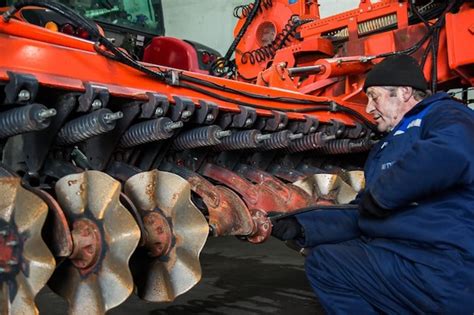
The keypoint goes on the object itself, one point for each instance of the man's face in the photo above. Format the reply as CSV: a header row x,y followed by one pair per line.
x,y
385,106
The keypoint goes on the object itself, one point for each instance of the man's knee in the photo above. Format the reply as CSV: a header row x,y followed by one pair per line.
x,y
318,265
334,264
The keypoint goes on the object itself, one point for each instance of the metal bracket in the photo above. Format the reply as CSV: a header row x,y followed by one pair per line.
x,y
225,119
95,97
336,128
36,145
22,88
310,125
278,121
183,108
156,106
100,149
206,113
245,118
357,132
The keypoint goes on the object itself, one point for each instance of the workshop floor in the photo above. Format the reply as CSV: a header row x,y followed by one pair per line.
x,y
238,278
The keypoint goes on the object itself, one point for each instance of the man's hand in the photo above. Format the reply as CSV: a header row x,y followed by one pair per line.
x,y
287,229
368,207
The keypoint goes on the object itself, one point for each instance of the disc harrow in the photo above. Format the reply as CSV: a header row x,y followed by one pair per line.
x,y
117,185
26,263
126,181
176,231
96,276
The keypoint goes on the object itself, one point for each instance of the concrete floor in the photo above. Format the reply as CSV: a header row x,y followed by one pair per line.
x,y
238,278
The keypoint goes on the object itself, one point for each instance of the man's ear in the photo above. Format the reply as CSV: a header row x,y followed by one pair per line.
x,y
406,92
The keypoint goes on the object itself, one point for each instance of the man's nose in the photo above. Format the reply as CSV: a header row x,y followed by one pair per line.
x,y
369,107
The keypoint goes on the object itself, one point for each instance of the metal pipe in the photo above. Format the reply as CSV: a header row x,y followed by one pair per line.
x,y
300,71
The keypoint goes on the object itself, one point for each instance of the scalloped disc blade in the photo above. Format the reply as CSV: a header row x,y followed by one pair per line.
x,y
327,188
26,263
162,279
96,277
356,179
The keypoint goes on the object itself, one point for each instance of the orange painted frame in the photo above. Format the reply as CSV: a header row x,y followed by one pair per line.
x,y
66,62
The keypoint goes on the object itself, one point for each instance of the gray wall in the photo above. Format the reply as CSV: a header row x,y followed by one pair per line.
x,y
211,22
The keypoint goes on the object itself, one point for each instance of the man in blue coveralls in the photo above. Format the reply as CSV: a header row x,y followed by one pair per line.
x,y
410,246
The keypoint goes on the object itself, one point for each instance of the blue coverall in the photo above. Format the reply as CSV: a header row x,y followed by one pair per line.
x,y
420,259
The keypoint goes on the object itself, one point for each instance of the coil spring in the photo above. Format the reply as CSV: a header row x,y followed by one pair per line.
x,y
23,119
376,24
246,139
344,146
85,127
281,40
361,145
279,140
307,143
242,11
149,131
198,137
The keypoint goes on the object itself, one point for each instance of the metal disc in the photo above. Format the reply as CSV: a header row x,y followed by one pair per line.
x,y
356,179
26,263
96,277
162,279
327,188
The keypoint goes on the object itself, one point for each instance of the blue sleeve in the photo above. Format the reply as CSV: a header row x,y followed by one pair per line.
x,y
441,159
328,226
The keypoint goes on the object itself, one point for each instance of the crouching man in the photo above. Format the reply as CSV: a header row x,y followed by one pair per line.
x,y
410,246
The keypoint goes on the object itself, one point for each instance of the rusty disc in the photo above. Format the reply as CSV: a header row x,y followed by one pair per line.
x,y
26,263
96,277
56,232
163,278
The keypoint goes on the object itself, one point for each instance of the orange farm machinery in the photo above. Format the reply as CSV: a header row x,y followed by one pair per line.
x,y
119,161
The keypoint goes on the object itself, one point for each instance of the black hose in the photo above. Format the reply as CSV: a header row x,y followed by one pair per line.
x,y
425,37
418,14
224,61
285,214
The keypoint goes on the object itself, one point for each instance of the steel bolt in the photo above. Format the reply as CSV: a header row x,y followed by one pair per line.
x,y
295,19
209,117
312,129
223,133
261,138
46,113
329,137
295,136
174,125
186,114
11,243
281,125
109,118
96,104
248,122
159,111
24,95
212,230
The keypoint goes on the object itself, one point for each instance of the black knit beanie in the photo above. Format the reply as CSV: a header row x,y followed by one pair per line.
x,y
397,70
